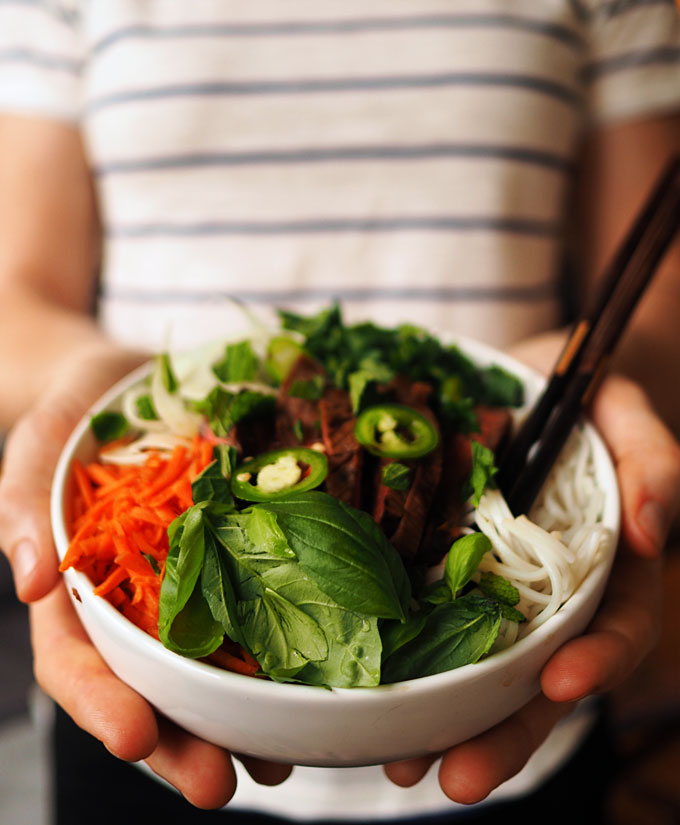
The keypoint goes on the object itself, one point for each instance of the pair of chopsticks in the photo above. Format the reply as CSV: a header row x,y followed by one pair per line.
x,y
528,459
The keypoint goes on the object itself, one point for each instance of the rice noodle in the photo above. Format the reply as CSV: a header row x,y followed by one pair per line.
x,y
547,556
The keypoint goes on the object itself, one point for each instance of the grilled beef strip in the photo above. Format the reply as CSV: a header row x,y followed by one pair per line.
x,y
494,426
290,409
404,514
343,451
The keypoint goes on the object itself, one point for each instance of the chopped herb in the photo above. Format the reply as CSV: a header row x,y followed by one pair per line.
x,y
310,390
396,476
239,363
145,408
167,375
153,562
108,426
483,471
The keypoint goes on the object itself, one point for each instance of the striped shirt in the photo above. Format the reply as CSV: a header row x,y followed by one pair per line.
x,y
411,158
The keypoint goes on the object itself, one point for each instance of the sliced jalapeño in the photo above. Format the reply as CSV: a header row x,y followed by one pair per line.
x,y
395,431
279,473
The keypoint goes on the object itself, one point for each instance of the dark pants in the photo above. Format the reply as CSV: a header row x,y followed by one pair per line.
x,y
91,787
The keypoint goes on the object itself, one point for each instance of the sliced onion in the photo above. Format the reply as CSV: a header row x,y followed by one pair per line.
x,y
129,405
137,452
172,410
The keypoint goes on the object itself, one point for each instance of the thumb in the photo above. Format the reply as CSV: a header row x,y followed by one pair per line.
x,y
647,459
31,455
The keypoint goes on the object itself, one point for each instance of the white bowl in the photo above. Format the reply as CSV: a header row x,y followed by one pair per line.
x,y
341,727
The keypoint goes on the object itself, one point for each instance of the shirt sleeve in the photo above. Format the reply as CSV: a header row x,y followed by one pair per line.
x,y
40,58
633,64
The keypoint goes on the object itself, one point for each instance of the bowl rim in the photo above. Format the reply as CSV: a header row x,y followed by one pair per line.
x,y
78,582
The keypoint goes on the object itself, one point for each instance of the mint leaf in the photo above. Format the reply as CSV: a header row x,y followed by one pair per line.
x,y
499,588
504,592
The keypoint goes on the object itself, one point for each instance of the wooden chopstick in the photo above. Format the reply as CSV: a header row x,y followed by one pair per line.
x,y
526,462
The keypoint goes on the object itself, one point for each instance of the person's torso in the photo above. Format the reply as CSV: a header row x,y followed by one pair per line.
x,y
410,160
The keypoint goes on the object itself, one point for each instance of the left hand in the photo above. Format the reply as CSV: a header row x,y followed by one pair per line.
x,y
625,628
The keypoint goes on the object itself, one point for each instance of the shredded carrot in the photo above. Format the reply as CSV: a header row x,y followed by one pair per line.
x,y
118,525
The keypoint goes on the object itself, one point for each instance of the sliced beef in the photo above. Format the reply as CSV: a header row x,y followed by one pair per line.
x,y
254,435
403,515
343,451
494,426
290,410
449,504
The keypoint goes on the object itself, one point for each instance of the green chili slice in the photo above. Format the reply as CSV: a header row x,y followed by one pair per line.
x,y
395,431
279,473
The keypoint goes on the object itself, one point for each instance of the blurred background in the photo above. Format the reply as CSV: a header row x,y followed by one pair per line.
x,y
645,718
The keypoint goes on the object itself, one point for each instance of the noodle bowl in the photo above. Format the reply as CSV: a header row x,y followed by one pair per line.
x,y
559,561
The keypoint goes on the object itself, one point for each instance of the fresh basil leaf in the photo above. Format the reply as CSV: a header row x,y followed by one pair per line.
x,y
239,363
109,425
396,476
437,593
211,485
354,646
145,408
282,637
483,471
455,634
345,552
463,560
395,635
352,641
182,567
218,589
193,632
266,535
185,622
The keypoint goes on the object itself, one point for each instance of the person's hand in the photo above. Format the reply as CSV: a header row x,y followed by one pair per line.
x,y
67,666
625,627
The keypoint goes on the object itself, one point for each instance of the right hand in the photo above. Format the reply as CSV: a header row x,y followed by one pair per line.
x,y
67,666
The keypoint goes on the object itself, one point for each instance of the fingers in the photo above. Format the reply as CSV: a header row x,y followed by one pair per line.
x,y
202,772
69,669
647,459
409,772
266,773
624,630
471,770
